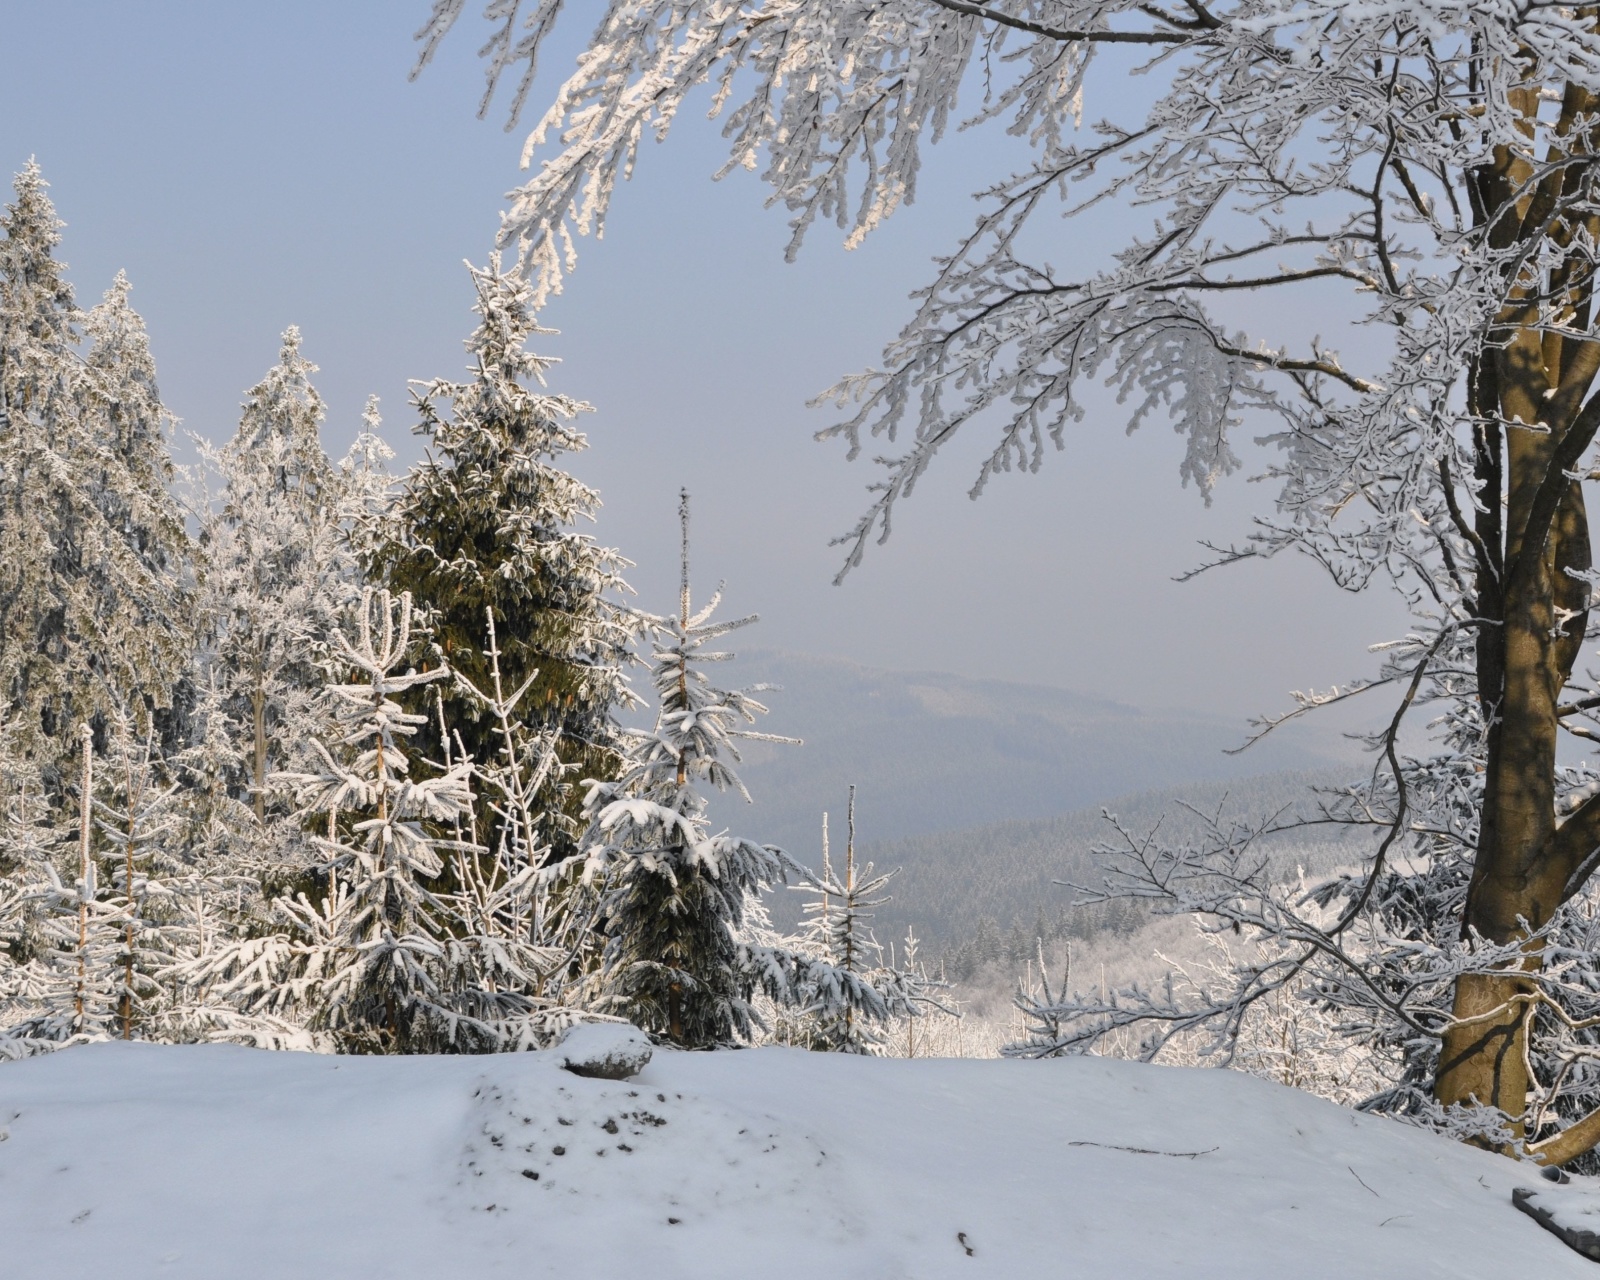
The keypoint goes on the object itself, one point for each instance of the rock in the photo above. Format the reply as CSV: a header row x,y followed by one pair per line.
x,y
604,1050
1571,1214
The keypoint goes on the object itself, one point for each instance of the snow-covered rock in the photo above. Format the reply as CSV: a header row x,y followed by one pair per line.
x,y
1570,1212
200,1162
604,1050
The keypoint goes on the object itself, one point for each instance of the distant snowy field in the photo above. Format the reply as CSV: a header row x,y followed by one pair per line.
x,y
134,1160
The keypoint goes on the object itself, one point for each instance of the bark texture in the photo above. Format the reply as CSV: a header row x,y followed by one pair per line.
x,y
1530,399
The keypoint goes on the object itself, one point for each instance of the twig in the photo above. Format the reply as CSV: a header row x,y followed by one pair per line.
x,y
1359,1179
1147,1151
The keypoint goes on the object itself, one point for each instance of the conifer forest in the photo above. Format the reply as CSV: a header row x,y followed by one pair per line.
x,y
303,754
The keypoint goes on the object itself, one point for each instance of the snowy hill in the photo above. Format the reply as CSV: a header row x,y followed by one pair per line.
x,y
933,752
211,1162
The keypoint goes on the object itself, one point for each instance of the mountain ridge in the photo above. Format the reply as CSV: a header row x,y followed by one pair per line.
x,y
931,751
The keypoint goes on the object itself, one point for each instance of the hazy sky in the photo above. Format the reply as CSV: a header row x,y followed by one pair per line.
x,y
253,166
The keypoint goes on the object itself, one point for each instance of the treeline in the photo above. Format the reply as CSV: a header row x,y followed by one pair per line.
x,y
1012,947
1019,874
302,754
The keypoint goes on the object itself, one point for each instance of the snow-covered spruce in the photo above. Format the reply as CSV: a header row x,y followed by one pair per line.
x,y
59,981
673,896
367,951
32,943
486,522
279,574
388,953
93,552
846,995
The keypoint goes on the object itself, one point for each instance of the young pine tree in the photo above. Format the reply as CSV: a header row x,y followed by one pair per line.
x,y
32,849
846,996
407,936
674,897
62,982
144,874
373,941
487,523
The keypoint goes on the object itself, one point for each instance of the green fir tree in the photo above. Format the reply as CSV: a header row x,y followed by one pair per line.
x,y
486,522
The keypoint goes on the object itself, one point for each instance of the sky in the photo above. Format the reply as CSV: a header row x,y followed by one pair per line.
x,y
255,166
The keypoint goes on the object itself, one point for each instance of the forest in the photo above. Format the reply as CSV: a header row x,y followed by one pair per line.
x,y
301,754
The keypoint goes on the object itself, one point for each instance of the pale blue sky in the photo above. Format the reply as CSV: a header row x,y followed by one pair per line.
x,y
253,166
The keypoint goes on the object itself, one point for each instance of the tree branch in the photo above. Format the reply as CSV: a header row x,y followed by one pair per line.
x,y
1576,844
1262,282
1578,1137
1056,33
1542,511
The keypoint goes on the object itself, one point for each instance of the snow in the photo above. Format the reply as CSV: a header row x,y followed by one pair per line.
x,y
204,1161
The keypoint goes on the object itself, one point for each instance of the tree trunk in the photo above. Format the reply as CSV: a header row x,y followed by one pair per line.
x,y
1532,530
258,709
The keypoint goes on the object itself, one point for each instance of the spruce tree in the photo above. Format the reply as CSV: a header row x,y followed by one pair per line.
x,y
845,992
64,984
41,388
378,950
277,572
675,899
148,594
34,846
486,522
93,553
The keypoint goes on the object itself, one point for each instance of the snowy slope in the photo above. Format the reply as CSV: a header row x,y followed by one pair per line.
x,y
209,1162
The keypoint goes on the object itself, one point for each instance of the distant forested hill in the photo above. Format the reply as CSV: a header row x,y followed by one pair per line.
x,y
931,752
987,792
995,887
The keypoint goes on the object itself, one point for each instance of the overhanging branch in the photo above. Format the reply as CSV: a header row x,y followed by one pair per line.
x,y
1057,33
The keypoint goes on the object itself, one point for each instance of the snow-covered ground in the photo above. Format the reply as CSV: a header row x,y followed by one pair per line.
x,y
132,1160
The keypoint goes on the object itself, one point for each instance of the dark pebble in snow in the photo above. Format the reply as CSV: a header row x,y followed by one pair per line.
x,y
672,1222
560,1151
531,1173
610,1126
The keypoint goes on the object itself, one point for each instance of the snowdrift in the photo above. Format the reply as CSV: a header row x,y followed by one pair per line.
x,y
134,1160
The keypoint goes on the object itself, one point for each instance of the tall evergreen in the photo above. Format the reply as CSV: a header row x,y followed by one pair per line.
x,y
93,552
277,571
148,592
486,522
